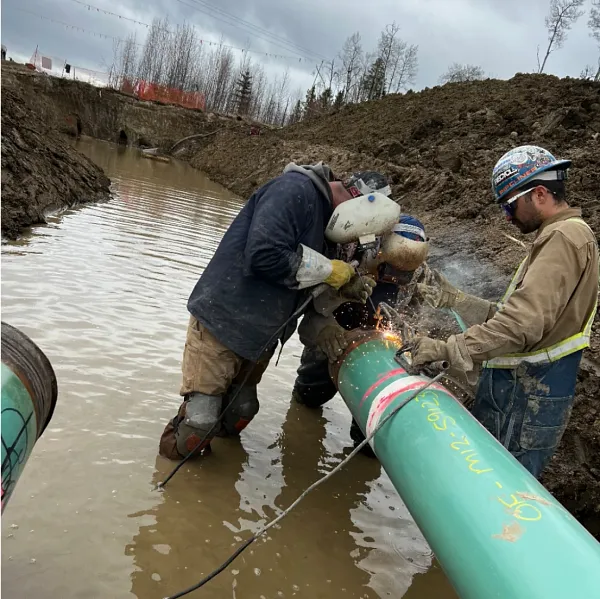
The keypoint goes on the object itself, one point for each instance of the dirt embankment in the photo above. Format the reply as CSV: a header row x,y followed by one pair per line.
x,y
438,147
77,108
41,172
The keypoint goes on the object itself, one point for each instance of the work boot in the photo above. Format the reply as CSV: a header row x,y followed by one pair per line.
x,y
358,437
194,423
239,415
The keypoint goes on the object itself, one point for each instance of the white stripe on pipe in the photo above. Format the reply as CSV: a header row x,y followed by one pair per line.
x,y
384,398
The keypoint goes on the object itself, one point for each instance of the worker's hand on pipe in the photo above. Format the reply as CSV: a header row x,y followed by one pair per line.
x,y
332,341
437,291
358,289
341,273
426,350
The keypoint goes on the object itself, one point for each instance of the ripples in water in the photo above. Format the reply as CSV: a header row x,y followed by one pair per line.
x,y
103,290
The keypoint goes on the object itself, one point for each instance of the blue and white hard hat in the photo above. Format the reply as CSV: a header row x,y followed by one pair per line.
x,y
523,164
405,247
411,228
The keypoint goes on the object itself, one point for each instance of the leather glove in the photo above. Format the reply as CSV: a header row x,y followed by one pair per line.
x,y
341,273
332,341
426,350
437,291
358,289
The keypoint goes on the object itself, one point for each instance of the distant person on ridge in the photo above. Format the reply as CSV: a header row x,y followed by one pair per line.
x,y
530,344
268,260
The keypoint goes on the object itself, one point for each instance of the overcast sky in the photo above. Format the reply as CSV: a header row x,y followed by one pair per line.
x,y
501,37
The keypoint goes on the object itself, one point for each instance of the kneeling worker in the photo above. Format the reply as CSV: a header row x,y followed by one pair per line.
x,y
248,296
323,333
530,344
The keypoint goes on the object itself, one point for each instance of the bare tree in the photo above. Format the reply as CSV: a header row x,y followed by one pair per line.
x,y
594,25
152,65
594,20
404,67
462,72
590,72
387,47
123,70
563,14
181,56
351,58
398,59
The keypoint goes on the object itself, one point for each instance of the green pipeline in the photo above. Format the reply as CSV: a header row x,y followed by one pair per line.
x,y
494,529
29,393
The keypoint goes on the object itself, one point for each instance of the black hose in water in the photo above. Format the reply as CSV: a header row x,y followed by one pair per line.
x,y
273,337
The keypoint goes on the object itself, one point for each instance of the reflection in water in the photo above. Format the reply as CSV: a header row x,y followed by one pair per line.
x,y
103,291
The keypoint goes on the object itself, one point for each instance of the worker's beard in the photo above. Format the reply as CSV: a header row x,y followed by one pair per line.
x,y
532,219
527,227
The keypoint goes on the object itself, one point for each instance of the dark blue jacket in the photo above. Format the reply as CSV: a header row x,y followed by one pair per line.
x,y
245,293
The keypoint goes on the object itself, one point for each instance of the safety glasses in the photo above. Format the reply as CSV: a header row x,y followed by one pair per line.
x,y
360,188
509,206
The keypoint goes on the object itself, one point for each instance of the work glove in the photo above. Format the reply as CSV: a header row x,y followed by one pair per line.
x,y
358,289
425,350
332,341
437,291
341,273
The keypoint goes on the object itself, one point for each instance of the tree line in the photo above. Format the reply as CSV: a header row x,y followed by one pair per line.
x,y
177,58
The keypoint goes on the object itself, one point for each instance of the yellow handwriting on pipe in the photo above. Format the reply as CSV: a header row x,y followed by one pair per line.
x,y
428,400
440,422
532,513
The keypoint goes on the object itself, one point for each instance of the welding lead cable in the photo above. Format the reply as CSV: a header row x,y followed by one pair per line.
x,y
314,293
283,514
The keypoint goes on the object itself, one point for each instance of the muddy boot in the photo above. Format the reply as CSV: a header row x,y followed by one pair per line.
x,y
239,415
197,415
357,436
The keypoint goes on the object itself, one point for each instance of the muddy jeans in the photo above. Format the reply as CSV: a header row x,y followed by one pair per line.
x,y
528,408
211,368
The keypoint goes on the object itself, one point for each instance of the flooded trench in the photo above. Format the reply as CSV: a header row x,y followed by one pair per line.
x,y
103,291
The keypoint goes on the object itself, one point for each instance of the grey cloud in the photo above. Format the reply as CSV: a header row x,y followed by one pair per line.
x,y
500,36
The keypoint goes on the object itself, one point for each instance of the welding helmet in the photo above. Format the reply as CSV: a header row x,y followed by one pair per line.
x,y
403,249
523,164
366,182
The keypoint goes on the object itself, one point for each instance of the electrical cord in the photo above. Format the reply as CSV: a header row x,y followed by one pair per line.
x,y
314,293
264,529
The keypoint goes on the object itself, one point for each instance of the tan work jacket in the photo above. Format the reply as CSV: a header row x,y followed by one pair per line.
x,y
556,293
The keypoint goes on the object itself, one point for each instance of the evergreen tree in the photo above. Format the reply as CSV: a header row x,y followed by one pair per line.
x,y
325,99
339,100
297,113
310,105
373,84
244,92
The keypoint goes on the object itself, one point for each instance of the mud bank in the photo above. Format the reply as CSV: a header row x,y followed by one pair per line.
x,y
438,147
41,172
77,108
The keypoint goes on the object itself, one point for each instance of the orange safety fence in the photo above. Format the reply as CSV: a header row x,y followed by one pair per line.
x,y
161,93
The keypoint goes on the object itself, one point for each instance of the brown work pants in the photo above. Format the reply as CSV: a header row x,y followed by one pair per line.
x,y
211,368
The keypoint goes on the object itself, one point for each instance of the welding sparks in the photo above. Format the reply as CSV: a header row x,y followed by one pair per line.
x,y
390,335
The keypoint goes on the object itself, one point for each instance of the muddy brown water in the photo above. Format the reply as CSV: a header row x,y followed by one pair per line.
x,y
103,289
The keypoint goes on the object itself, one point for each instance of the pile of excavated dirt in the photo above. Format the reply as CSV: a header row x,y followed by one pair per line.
x,y
438,147
41,172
